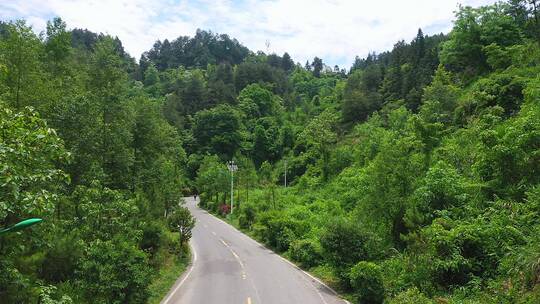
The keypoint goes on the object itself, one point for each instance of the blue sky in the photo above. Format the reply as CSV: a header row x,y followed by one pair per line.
x,y
335,30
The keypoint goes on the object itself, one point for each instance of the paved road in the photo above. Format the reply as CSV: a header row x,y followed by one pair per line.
x,y
231,268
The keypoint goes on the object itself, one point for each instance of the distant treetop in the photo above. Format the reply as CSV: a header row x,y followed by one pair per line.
x,y
203,49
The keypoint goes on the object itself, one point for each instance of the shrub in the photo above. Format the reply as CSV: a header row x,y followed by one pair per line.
x,y
243,222
278,230
461,251
510,164
404,271
307,252
151,237
410,296
224,209
247,217
49,295
60,260
442,188
344,243
171,242
182,222
284,236
366,281
114,271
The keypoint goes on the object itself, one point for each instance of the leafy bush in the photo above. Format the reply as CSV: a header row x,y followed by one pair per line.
x,y
500,89
224,209
114,271
182,221
410,296
152,235
366,281
49,295
306,251
406,270
511,158
60,261
278,230
461,251
442,188
344,243
247,217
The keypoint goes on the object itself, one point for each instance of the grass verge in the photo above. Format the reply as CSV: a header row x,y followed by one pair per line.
x,y
171,270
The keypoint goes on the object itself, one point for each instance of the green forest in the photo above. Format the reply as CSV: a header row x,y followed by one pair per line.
x,y
411,177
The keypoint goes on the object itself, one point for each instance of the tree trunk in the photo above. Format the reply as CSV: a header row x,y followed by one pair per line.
x,y
19,77
247,191
273,197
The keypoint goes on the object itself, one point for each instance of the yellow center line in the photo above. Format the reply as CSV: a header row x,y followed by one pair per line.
x,y
248,300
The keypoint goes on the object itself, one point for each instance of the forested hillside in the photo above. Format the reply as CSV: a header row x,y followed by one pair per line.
x,y
84,147
412,177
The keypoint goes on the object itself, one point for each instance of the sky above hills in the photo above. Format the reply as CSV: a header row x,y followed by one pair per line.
x,y
335,30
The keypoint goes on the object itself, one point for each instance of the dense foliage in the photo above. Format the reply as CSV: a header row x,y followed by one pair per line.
x,y
84,147
411,178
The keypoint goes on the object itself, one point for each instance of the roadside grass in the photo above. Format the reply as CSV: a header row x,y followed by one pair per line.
x,y
172,269
327,275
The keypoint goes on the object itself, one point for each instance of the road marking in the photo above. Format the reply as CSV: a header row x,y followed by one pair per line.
x,y
214,233
248,300
282,258
185,278
242,264
233,253
287,261
205,226
237,258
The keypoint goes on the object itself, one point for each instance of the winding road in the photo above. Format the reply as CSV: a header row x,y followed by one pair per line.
x,y
228,267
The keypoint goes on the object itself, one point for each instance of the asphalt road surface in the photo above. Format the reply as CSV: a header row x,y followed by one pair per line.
x,y
231,268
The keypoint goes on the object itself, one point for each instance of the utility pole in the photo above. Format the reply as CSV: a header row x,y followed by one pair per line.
x,y
232,167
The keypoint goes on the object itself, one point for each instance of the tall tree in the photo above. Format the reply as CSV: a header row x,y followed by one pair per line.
x,y
286,62
57,45
218,130
317,65
221,84
360,96
21,51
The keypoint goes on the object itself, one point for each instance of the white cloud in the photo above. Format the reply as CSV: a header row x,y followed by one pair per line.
x,y
335,30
